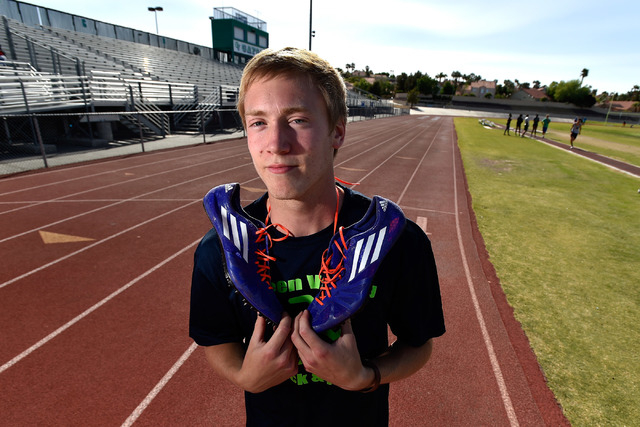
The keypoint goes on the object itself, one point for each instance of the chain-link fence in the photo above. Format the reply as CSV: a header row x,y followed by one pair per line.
x,y
37,140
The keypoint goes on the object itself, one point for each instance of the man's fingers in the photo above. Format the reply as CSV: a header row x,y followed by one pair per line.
x,y
346,328
282,331
259,328
304,337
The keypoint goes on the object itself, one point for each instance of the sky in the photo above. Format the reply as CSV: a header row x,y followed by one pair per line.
x,y
545,40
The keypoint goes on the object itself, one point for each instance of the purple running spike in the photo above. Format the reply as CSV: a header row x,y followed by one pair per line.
x,y
245,245
351,261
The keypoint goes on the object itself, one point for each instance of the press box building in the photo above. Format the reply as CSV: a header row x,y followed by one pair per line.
x,y
237,36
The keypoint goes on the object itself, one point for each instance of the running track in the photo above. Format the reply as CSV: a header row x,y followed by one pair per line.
x,y
94,331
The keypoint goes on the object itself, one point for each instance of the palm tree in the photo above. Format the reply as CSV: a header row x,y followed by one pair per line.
x,y
584,73
456,75
441,76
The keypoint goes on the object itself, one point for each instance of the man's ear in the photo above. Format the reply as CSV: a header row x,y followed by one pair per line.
x,y
339,132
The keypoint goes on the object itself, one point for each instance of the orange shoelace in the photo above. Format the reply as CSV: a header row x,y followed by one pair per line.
x,y
328,275
263,257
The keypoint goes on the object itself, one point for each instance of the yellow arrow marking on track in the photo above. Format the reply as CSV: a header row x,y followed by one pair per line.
x,y
422,223
49,238
352,169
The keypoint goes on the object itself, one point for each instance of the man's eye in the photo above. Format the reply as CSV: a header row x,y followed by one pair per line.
x,y
256,123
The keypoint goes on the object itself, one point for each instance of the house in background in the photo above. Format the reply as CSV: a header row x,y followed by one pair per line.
x,y
529,95
628,106
480,89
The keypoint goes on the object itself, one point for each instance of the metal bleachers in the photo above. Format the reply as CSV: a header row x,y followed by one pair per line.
x,y
61,51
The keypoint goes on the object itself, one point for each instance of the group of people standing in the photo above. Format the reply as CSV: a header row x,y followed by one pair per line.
x,y
575,128
534,128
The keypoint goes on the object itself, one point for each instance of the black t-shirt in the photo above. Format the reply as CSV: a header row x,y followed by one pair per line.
x,y
406,298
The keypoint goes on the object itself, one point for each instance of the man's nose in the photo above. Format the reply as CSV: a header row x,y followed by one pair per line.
x,y
278,138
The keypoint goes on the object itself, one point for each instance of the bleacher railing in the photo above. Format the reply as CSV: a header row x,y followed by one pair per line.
x,y
23,90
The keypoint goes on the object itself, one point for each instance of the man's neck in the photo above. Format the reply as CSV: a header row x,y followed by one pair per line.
x,y
304,218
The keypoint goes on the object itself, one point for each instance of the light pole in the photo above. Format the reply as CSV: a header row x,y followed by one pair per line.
x,y
311,32
155,11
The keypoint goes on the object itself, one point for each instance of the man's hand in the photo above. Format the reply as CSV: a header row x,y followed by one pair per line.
x,y
269,363
338,363
265,363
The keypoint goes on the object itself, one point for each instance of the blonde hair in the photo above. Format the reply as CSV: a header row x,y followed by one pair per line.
x,y
292,61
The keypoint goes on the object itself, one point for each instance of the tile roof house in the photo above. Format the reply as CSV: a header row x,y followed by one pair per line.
x,y
529,94
480,88
619,105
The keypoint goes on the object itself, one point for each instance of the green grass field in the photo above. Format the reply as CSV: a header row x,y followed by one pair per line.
x,y
564,236
612,140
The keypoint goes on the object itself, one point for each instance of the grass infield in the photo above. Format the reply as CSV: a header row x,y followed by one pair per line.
x,y
563,234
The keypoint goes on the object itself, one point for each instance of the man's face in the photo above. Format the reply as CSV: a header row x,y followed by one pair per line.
x,y
290,140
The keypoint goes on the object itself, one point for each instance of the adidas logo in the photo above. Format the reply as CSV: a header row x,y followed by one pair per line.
x,y
383,204
228,187
235,231
371,251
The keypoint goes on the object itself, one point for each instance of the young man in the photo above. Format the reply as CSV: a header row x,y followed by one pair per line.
x,y
506,129
296,370
534,128
575,131
545,125
519,124
526,126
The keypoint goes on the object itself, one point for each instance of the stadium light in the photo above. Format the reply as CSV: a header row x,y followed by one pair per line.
x,y
155,11
311,32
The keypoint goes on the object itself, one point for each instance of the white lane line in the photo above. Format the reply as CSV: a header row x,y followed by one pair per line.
x,y
156,390
116,203
93,175
99,242
115,184
362,153
497,372
93,308
415,171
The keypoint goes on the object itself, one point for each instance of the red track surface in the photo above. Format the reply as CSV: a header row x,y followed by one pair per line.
x,y
95,332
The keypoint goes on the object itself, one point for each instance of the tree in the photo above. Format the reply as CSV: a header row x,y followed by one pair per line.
x,y
427,86
413,97
473,78
584,73
351,67
362,84
506,89
536,84
412,80
401,83
456,75
572,92
440,76
448,89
